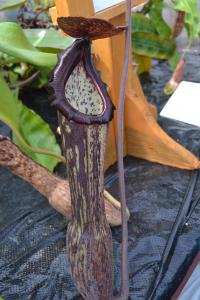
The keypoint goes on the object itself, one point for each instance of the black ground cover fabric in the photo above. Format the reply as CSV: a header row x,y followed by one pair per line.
x,y
33,263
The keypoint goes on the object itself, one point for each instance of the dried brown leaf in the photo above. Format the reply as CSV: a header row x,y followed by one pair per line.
x,y
79,27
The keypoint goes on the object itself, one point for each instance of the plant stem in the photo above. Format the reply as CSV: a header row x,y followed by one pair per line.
x,y
29,148
26,81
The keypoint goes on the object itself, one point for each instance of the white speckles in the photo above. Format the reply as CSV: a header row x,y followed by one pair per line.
x,y
82,94
69,153
77,157
68,129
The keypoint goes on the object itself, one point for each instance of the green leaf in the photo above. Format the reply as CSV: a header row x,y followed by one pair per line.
x,y
21,69
161,26
48,40
13,77
149,44
140,23
7,60
42,79
192,16
9,4
174,59
14,43
30,132
144,63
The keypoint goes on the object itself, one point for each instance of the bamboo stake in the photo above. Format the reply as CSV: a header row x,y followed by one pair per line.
x,y
120,130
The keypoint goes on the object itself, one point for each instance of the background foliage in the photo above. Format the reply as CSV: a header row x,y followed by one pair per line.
x,y
152,37
24,53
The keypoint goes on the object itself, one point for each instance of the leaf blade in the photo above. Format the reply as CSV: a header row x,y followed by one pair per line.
x,y
14,43
149,44
10,4
49,39
161,26
144,63
140,23
31,133
192,16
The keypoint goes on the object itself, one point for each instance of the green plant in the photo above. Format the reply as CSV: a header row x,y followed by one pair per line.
x,y
30,132
8,4
27,55
152,37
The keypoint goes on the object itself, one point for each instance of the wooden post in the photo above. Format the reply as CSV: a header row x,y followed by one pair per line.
x,y
143,136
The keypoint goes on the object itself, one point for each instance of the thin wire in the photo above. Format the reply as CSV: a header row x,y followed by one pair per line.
x,y
120,138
